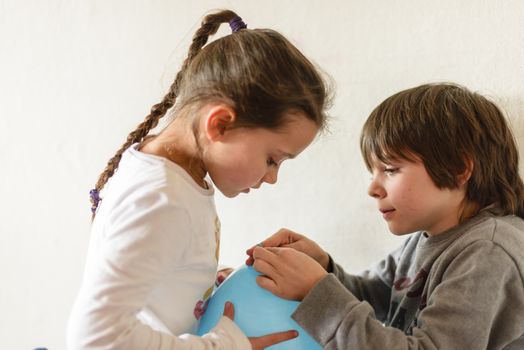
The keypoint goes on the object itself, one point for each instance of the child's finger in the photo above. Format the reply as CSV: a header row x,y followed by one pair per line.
x,y
250,250
222,275
229,310
220,279
276,240
268,284
274,250
283,238
271,339
265,268
263,253
250,261
266,255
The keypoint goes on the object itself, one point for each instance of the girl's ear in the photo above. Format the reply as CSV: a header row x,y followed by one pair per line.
x,y
468,170
219,118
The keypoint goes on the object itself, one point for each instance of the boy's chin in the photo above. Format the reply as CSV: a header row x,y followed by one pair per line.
x,y
399,232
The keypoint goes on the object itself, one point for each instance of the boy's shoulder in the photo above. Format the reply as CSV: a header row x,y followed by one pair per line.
x,y
489,244
501,230
505,232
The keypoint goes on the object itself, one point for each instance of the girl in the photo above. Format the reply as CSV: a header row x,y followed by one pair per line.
x,y
244,104
445,166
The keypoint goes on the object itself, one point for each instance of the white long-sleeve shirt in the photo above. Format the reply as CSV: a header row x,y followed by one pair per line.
x,y
152,260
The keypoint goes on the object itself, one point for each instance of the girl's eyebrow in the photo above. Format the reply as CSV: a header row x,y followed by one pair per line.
x,y
287,155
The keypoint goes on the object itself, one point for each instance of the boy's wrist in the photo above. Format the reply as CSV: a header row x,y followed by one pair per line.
x,y
325,261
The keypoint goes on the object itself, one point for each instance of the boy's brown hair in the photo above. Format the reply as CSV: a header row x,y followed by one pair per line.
x,y
446,126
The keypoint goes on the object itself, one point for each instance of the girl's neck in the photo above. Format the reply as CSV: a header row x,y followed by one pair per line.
x,y
177,142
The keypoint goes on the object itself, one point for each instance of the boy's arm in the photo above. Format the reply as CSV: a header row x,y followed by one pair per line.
x,y
460,312
372,285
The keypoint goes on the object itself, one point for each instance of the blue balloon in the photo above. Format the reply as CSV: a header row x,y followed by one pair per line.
x,y
257,311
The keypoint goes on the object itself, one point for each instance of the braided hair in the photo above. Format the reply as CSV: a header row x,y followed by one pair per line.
x,y
257,72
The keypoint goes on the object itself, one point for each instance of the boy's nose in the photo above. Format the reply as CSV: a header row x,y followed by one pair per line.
x,y
375,190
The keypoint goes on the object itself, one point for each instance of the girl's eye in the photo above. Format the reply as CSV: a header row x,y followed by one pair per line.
x,y
271,162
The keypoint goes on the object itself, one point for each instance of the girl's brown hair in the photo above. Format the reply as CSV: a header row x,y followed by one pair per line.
x,y
259,73
446,125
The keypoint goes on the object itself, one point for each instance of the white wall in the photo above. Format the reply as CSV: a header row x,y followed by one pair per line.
x,y
77,76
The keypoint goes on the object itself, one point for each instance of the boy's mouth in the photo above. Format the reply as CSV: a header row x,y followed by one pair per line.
x,y
386,213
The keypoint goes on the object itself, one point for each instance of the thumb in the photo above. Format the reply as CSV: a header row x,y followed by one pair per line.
x,y
229,310
283,238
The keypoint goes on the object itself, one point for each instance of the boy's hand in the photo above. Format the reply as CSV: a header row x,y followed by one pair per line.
x,y
289,239
260,343
288,273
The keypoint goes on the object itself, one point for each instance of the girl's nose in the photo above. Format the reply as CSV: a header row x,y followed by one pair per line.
x,y
271,176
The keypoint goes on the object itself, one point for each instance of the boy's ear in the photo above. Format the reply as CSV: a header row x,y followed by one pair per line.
x,y
468,170
219,118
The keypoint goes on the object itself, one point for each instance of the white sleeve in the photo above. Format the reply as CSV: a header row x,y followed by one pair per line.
x,y
140,242
226,335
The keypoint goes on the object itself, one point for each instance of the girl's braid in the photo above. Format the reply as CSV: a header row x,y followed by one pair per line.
x,y
209,26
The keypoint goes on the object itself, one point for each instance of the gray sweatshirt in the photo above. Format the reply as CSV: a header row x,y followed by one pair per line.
x,y
462,289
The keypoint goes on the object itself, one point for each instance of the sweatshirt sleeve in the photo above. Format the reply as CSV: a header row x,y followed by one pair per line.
x,y
372,285
136,249
477,305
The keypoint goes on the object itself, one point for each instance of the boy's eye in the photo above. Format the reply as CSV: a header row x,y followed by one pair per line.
x,y
389,170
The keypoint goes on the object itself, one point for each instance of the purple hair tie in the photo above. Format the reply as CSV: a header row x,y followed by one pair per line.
x,y
236,24
95,199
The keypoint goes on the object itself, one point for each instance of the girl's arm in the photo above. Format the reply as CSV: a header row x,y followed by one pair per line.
x,y
127,257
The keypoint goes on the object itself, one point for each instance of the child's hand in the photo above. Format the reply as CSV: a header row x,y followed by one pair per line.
x,y
260,343
222,275
288,273
290,239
